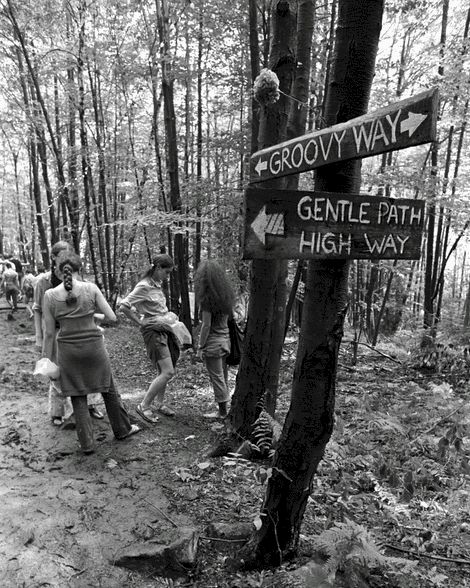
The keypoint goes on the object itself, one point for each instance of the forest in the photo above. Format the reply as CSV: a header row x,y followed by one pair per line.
x,y
134,127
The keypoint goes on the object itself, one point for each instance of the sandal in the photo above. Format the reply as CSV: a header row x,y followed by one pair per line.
x,y
132,431
166,410
147,414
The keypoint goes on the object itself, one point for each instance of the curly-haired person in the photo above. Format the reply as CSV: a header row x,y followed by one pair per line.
x,y
216,299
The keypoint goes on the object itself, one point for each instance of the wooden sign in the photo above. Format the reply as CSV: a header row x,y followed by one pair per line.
x,y
403,124
287,224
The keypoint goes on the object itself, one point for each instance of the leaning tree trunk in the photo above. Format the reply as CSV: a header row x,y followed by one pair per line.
x,y
33,160
259,367
309,422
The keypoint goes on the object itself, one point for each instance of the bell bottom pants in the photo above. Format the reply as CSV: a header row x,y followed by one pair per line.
x,y
117,414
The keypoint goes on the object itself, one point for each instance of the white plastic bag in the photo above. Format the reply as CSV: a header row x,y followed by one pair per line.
x,y
46,367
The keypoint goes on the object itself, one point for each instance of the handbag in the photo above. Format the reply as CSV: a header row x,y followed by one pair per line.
x,y
236,342
46,367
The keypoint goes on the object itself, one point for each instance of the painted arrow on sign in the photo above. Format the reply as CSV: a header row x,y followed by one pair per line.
x,y
290,224
411,123
267,224
403,124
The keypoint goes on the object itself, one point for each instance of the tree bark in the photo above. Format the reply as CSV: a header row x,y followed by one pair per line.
x,y
259,367
172,158
309,422
432,243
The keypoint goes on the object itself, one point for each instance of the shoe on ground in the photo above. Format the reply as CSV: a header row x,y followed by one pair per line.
x,y
147,414
166,410
213,416
132,431
95,413
69,424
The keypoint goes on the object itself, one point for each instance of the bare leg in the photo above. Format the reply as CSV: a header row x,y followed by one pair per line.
x,y
157,388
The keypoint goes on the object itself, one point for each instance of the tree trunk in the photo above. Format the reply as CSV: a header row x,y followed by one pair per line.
x,y
102,210
255,69
309,422
33,159
172,157
430,277
86,168
259,368
63,188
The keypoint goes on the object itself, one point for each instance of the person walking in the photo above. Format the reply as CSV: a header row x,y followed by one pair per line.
x,y
163,334
215,298
60,407
29,280
10,285
81,354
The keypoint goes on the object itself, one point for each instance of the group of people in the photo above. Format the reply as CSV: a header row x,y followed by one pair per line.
x,y
13,284
68,311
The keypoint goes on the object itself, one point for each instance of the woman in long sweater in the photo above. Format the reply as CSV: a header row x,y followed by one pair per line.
x,y
60,407
81,353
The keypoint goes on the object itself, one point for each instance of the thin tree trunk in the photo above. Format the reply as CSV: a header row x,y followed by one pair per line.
x,y
72,210
33,160
381,312
172,157
255,69
430,278
86,169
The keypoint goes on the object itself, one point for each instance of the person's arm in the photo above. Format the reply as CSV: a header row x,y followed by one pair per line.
x,y
138,294
49,331
38,300
103,306
205,330
131,314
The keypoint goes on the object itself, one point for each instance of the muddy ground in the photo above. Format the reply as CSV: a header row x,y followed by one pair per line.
x,y
64,516
390,468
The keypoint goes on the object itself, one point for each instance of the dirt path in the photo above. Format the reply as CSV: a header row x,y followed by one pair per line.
x,y
64,516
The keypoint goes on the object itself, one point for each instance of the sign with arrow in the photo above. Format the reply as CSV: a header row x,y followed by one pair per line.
x,y
288,224
403,124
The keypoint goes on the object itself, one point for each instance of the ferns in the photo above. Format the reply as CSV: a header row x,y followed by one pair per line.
x,y
266,433
263,433
349,547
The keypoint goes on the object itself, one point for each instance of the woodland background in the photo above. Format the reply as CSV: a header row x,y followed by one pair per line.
x,y
127,127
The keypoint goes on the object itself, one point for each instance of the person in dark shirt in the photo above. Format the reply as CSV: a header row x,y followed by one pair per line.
x,y
19,270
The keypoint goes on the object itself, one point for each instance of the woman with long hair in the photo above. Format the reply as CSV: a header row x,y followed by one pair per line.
x,y
163,334
215,298
81,354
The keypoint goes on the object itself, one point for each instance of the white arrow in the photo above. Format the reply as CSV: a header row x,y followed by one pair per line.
x,y
264,224
261,166
411,123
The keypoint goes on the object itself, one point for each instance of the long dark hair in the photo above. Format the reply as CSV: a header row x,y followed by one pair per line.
x,y
69,262
163,260
213,289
